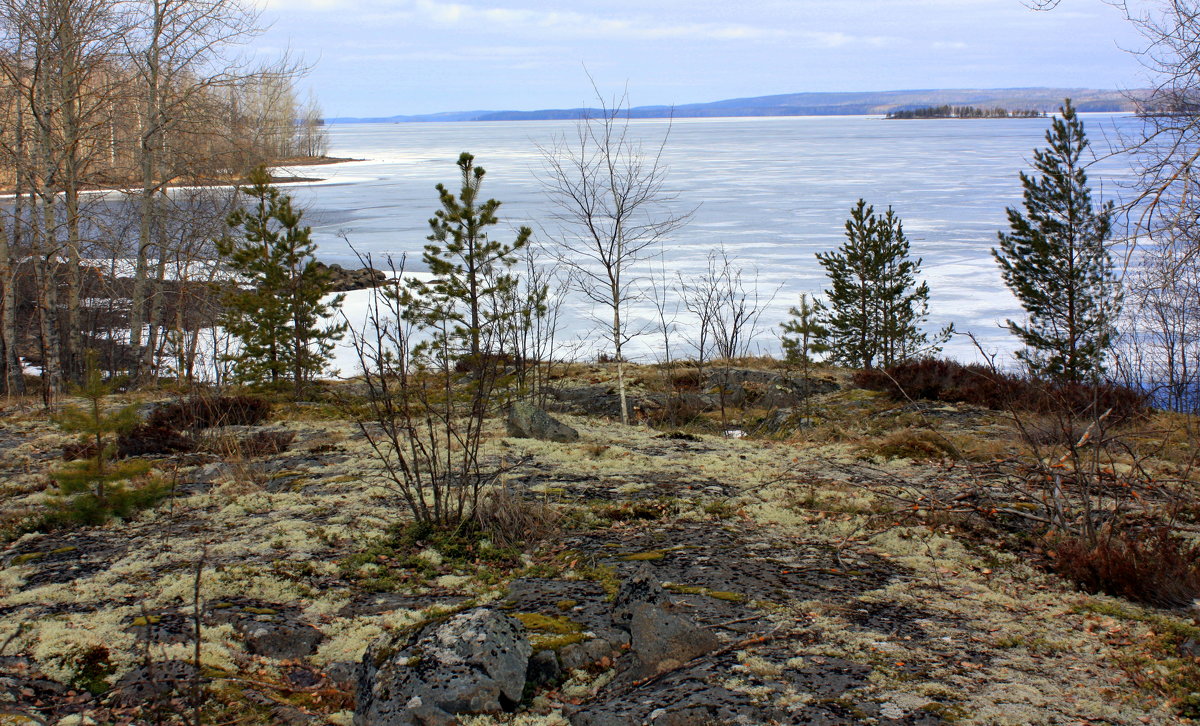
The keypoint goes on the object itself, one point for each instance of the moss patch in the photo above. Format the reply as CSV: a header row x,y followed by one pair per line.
x,y
549,632
649,555
697,590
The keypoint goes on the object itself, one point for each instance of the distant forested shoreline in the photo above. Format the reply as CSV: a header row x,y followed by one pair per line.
x,y
948,111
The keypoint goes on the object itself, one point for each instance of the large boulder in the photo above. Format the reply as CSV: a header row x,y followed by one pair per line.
x,y
598,400
527,421
471,663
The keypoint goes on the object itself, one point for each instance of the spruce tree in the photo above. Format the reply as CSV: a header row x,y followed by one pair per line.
x,y
876,306
470,297
1056,261
275,307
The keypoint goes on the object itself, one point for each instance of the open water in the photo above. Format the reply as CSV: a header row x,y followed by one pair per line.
x,y
773,191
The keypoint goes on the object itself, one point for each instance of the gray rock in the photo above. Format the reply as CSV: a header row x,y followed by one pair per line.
x,y
527,421
582,655
642,588
279,639
663,640
784,420
598,648
765,389
688,704
474,662
147,684
543,668
342,673
599,400
208,473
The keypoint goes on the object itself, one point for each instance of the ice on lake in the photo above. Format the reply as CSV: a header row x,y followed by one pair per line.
x,y
772,191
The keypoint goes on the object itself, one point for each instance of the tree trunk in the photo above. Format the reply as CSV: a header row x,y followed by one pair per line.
x,y
148,201
620,366
10,363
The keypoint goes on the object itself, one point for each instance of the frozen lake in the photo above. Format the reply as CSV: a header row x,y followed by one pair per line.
x,y
773,191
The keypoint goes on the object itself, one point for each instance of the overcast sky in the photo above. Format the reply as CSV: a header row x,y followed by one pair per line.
x,y
386,57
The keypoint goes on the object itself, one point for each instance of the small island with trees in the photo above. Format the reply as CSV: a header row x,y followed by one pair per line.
x,y
948,111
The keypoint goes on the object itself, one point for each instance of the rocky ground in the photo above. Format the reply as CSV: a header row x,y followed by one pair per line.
x,y
780,582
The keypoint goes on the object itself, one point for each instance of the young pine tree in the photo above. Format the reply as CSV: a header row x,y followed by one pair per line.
x,y
276,309
804,335
95,483
876,306
470,299
1056,261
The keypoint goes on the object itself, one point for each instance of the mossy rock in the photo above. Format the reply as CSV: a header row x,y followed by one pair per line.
x,y
550,632
539,623
697,590
650,555
644,556
260,611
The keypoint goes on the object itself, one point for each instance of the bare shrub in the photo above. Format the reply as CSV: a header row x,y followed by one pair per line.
x,y
422,420
678,410
914,443
1157,567
154,439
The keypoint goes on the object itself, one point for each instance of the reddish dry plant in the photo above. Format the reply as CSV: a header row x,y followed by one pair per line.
x,y
942,380
199,412
1156,567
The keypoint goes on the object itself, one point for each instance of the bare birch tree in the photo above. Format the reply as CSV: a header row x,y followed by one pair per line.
x,y
57,60
182,52
1162,347
612,208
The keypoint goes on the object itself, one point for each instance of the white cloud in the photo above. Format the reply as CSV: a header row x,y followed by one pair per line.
x,y
615,24
576,23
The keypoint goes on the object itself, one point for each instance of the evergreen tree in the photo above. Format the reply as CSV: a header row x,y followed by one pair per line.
x,y
95,483
804,335
470,298
876,307
1056,261
276,307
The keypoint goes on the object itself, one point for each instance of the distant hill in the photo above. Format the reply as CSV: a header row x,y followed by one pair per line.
x,y
815,104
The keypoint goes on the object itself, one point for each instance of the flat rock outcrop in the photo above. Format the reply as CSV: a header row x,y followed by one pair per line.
x,y
474,662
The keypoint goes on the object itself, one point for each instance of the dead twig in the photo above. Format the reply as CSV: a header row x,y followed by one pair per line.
x,y
756,640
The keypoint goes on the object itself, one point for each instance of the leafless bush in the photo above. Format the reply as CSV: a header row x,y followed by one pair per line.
x,y
204,410
423,421
535,309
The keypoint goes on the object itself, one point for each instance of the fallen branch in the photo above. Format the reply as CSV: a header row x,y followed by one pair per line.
x,y
711,654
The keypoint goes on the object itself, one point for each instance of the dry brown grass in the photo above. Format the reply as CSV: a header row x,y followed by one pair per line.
x,y
513,521
913,443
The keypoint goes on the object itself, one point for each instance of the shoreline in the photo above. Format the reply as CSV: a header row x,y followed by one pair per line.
x,y
8,192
